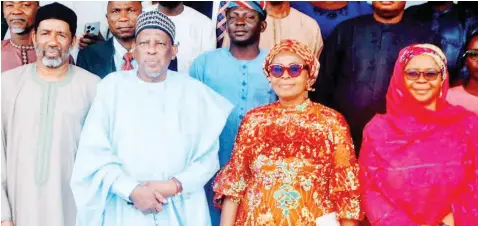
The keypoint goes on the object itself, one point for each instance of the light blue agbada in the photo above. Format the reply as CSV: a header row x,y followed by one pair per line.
x,y
138,131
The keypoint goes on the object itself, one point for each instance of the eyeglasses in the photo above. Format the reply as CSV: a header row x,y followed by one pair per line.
x,y
428,75
471,53
294,70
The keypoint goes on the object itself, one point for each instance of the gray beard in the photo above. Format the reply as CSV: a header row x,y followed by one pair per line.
x,y
17,30
52,63
55,62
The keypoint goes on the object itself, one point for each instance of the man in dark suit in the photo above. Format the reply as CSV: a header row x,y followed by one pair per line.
x,y
114,54
358,59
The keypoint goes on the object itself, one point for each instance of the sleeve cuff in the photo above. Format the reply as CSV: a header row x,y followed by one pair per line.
x,y
124,186
6,219
182,178
6,211
348,207
219,199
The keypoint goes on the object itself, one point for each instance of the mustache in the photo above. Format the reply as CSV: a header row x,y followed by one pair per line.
x,y
41,52
52,48
55,61
22,18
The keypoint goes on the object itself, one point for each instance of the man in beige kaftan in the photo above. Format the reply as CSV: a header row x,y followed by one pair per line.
x,y
44,105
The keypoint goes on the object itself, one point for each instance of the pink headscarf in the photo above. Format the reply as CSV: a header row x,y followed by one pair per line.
x,y
400,101
417,164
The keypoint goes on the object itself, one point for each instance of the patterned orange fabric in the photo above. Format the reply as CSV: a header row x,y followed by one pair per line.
x,y
291,165
300,49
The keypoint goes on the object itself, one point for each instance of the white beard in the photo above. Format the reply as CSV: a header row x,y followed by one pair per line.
x,y
52,63
17,30
154,75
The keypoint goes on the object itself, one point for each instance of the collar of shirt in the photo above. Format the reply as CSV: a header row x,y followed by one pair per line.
x,y
120,51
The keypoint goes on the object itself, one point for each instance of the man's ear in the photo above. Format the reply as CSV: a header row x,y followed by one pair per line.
x,y
133,48
73,41
33,36
174,51
263,25
133,45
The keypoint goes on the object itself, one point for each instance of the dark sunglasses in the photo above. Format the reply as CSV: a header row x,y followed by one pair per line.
x,y
428,75
471,53
294,70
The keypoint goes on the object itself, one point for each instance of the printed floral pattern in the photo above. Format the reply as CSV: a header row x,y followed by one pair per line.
x,y
290,166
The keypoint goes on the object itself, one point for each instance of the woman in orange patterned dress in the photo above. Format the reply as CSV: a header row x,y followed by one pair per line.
x,y
293,162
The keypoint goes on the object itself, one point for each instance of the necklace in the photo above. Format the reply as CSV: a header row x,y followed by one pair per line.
x,y
24,51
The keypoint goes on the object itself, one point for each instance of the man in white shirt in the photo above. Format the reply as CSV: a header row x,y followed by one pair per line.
x,y
143,158
195,33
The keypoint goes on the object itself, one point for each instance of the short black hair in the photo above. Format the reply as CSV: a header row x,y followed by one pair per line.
x,y
56,11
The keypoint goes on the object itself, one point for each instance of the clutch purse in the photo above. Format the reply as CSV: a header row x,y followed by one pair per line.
x,y
327,220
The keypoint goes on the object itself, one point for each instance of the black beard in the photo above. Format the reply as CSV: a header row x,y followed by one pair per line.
x,y
126,39
169,5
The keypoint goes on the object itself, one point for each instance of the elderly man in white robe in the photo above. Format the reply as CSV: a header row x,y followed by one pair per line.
x,y
150,141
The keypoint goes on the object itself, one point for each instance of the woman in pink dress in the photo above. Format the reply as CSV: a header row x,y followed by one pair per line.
x,y
418,163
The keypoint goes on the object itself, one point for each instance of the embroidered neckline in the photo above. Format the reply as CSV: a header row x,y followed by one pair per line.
x,y
301,107
21,47
24,51
331,13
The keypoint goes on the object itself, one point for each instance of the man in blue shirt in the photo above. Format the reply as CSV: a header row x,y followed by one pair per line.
x,y
236,72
